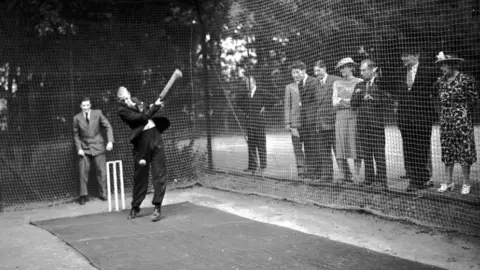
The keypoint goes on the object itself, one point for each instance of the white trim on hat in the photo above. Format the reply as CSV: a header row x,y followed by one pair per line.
x,y
441,57
344,61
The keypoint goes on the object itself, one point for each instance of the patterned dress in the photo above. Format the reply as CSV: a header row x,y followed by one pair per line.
x,y
457,99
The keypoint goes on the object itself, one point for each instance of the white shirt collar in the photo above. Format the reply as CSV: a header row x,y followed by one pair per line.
x,y
305,79
252,91
324,79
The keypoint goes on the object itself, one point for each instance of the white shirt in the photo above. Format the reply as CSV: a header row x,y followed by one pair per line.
x,y
414,70
305,79
324,79
252,91
149,125
87,115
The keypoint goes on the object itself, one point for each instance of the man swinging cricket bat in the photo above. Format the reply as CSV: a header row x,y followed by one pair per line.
x,y
147,124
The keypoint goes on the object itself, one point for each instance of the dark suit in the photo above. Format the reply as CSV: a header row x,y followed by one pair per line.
x,y
148,145
326,126
89,138
370,128
254,123
308,118
416,115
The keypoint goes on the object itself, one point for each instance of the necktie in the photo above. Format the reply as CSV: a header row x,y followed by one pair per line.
x,y
301,92
86,118
300,87
409,79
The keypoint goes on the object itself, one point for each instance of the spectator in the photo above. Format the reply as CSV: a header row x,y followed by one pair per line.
x,y
325,120
458,97
346,120
308,89
370,102
292,106
414,92
253,103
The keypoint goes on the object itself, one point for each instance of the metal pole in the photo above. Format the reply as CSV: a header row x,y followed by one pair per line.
x,y
206,87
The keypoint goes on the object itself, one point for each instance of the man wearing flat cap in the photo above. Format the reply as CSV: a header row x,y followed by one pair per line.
x,y
147,126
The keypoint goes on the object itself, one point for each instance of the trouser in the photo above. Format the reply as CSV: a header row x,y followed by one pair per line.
x,y
416,152
150,145
325,146
100,171
299,154
257,142
372,147
309,139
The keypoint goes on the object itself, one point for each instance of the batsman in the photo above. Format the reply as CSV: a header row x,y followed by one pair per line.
x,y
147,125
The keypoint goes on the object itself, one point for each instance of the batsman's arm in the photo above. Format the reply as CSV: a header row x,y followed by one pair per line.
x,y
134,117
76,135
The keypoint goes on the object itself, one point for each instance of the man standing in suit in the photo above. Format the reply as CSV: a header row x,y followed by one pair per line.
x,y
371,101
308,89
148,150
253,103
415,93
325,119
292,106
90,144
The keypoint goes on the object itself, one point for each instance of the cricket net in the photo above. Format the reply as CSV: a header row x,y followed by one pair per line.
x,y
216,44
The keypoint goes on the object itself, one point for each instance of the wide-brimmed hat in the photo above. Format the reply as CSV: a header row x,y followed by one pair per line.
x,y
344,61
448,58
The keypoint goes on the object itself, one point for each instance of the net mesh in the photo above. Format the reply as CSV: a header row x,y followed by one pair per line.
x,y
217,45
45,77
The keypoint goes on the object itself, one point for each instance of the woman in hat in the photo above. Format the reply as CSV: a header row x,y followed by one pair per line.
x,y
458,97
346,119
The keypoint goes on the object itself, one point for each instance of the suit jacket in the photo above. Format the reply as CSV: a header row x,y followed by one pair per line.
x,y
251,106
308,98
370,113
292,105
325,112
415,106
89,137
137,117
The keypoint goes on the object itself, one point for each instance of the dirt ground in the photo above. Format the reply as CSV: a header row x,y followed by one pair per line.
x,y
24,246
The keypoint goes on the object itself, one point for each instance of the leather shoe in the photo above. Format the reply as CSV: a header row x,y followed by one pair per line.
x,y
429,183
414,188
82,200
103,198
134,212
157,214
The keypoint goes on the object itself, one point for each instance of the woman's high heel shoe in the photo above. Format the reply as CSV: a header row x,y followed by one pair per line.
x,y
465,189
446,187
